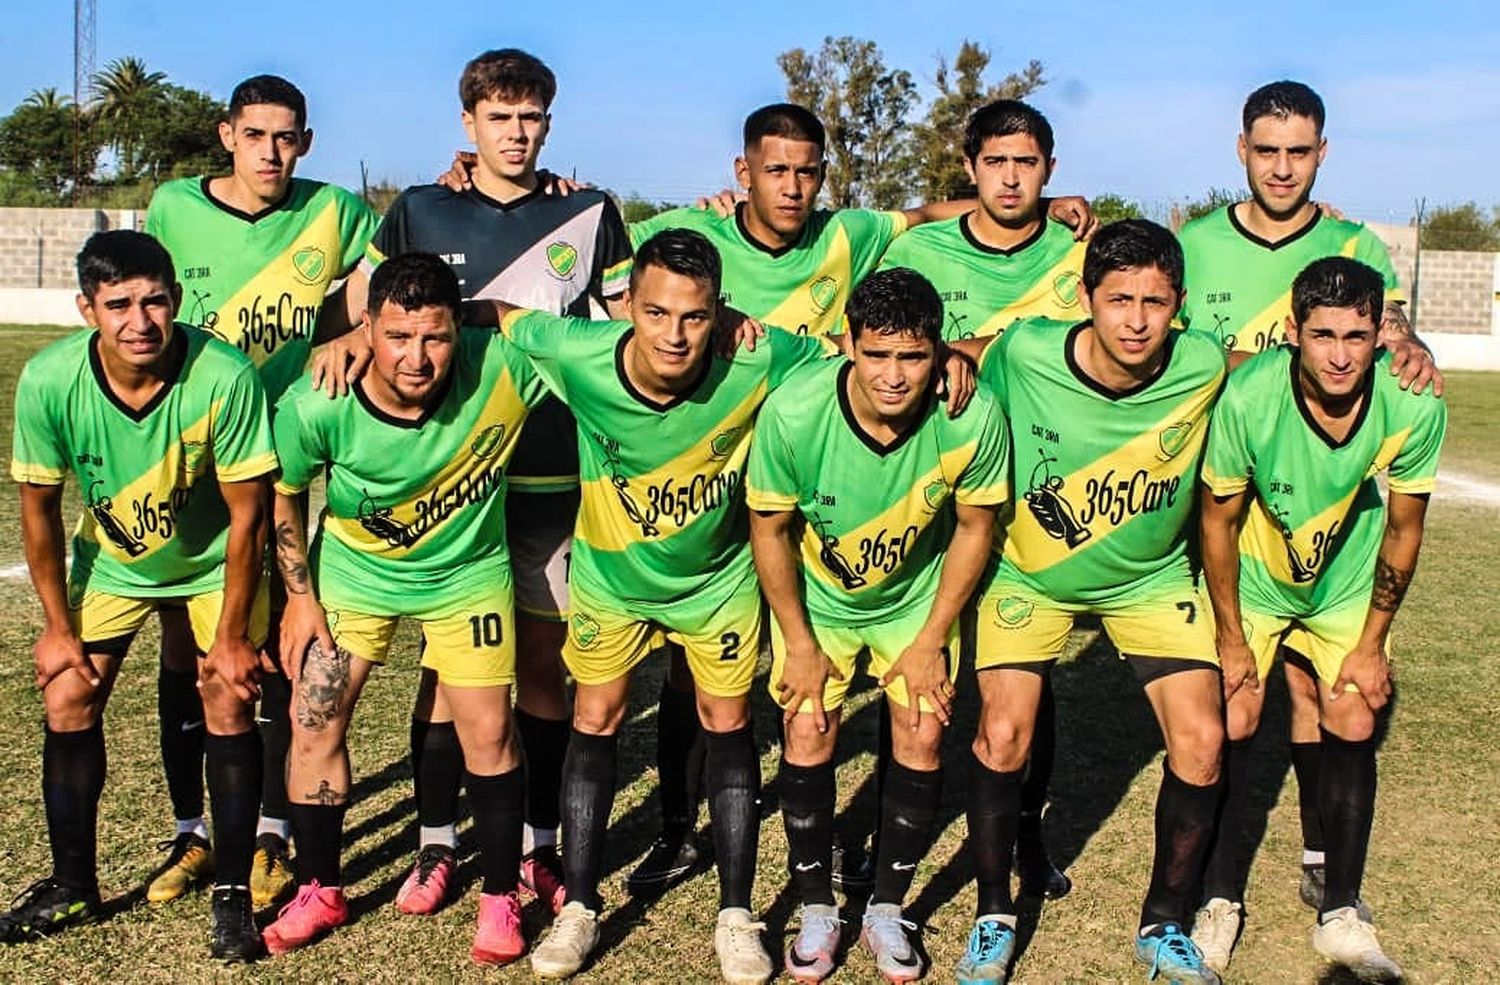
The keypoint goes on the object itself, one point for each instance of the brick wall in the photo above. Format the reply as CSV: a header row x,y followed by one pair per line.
x,y
38,246
1457,292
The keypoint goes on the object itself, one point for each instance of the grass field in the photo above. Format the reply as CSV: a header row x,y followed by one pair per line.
x,y
1431,871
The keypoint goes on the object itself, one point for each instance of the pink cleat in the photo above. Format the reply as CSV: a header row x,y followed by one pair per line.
x,y
426,889
314,911
541,875
497,938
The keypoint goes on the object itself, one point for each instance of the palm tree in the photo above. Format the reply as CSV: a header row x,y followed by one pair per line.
x,y
48,99
124,94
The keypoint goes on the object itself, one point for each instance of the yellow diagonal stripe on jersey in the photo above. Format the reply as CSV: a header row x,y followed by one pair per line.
x,y
1041,299
875,549
809,304
142,516
395,530
1276,314
272,301
615,511
1032,549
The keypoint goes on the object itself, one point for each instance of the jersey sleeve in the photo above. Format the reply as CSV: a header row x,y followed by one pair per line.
x,y
870,234
790,352
771,475
544,339
37,452
992,366
154,211
1369,249
357,225
1228,460
528,380
242,445
297,446
986,479
1414,470
646,228
612,252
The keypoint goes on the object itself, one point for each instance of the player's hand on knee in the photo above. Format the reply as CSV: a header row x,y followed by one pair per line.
x,y
803,679
957,382
235,664
924,668
303,622
1237,663
458,177
58,651
340,362
1367,668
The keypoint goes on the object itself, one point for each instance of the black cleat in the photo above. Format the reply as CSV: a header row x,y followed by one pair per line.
x,y
672,857
47,907
853,869
1039,877
235,938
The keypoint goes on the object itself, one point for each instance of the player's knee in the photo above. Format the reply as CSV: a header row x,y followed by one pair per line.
x,y
70,706
1242,717
592,716
1350,719
224,711
918,750
719,714
805,745
1196,749
1001,743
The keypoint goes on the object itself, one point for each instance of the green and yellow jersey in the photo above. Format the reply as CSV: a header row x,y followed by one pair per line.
x,y
1315,518
416,508
662,526
258,281
1239,287
802,287
154,523
1105,481
984,289
877,517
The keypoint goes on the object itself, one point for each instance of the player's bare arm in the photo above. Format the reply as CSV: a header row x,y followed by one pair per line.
x,y
59,648
1411,359
923,664
1221,519
1367,667
774,546
232,657
304,621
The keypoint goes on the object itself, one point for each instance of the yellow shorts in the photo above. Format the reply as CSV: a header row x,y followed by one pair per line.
x,y
1019,627
472,644
1324,639
100,617
604,643
843,644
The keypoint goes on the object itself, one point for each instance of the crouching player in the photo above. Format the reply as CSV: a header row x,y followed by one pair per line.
x,y
1316,564
414,526
872,517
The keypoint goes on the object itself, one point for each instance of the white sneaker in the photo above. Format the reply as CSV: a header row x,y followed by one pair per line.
x,y
1216,928
809,959
1343,938
575,931
742,957
884,933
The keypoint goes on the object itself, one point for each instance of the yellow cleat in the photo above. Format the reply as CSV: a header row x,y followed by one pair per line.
x,y
189,864
271,876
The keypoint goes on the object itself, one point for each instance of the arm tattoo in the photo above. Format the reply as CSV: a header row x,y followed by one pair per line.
x,y
323,688
1390,586
293,564
1393,321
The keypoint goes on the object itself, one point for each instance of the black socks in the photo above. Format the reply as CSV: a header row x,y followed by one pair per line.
x,y
807,801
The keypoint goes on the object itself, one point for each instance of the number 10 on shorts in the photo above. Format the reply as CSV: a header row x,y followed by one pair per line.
x,y
486,629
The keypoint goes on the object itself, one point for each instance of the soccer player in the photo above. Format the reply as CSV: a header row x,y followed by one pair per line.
x,y
1241,261
256,251
661,551
165,428
1000,262
414,526
1107,420
1300,552
872,518
508,238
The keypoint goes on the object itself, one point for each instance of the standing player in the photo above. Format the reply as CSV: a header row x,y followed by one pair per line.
x,y
415,526
256,251
1003,261
1318,566
1241,261
1108,419
165,428
893,504
508,238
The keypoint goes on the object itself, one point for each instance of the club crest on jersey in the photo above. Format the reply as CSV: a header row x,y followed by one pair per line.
x,y
723,442
193,453
488,442
309,263
1014,612
562,258
1065,287
1173,439
585,630
935,493
824,291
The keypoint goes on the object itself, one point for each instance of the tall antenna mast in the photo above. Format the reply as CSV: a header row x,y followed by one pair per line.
x,y
84,15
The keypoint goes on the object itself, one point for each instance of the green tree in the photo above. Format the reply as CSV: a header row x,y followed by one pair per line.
x,y
1112,208
939,142
36,148
49,99
182,136
637,208
126,96
1461,227
1215,198
864,106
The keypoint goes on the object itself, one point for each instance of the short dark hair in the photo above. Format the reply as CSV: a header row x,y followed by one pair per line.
x,y
1338,282
1132,244
122,254
506,73
682,251
415,280
896,301
1002,118
1281,100
787,120
268,90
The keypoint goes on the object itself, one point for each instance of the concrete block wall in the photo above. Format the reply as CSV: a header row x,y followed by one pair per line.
x,y
38,246
1457,292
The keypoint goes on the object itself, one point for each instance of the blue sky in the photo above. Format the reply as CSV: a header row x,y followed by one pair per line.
x,y
1144,97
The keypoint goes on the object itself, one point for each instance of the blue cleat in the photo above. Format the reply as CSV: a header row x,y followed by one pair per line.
x,y
1173,957
992,947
